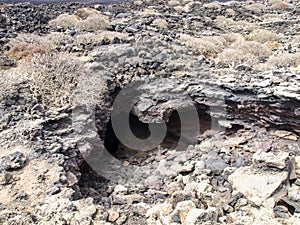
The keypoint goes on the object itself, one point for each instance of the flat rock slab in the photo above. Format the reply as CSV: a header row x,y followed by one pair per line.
x,y
256,185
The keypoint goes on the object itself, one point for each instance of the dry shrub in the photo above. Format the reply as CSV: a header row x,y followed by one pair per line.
x,y
26,38
47,43
256,7
91,21
24,51
96,38
233,26
161,23
55,39
173,3
243,53
281,5
212,5
284,60
272,45
263,36
64,20
54,76
232,37
90,90
219,41
84,13
207,46
3,5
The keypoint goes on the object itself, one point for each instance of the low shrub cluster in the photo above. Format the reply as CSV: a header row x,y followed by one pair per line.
x,y
284,60
243,53
228,24
263,36
23,50
53,75
208,46
83,20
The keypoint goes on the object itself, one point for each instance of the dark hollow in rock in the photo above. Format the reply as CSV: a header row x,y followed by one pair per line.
x,y
141,131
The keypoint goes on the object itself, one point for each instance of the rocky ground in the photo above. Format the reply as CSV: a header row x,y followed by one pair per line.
x,y
62,66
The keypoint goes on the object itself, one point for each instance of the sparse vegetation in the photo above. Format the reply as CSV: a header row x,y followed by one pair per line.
x,y
243,53
24,51
263,36
89,91
284,60
160,23
96,38
256,7
232,37
54,76
64,20
280,5
83,19
232,25
92,23
84,13
207,46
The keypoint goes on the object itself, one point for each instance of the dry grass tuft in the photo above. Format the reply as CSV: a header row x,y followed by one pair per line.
x,y
3,5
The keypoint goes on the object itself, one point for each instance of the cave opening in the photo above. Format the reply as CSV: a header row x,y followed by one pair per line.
x,y
141,131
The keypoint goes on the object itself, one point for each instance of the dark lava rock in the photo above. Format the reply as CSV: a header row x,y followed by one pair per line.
x,y
30,18
6,62
13,161
5,178
281,212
